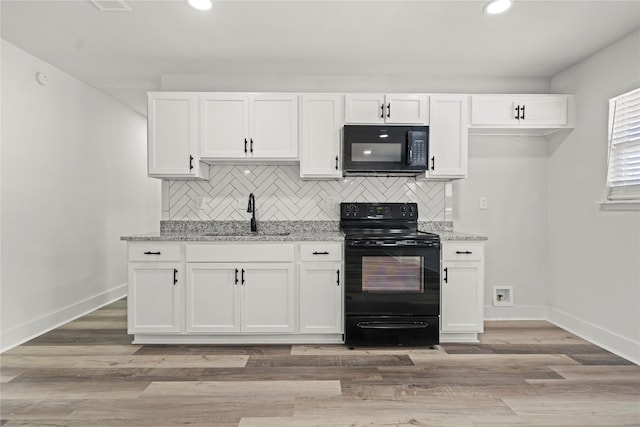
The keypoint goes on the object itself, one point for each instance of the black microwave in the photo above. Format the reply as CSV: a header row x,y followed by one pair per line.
x,y
384,150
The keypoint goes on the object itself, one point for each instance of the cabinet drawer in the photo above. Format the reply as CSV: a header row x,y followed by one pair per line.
x,y
154,252
462,251
320,251
250,252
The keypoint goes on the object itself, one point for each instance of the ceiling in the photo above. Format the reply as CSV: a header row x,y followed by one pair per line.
x,y
125,54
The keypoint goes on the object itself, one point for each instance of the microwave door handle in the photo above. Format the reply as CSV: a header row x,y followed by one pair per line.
x,y
409,150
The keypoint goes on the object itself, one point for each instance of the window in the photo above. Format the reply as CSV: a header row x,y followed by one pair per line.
x,y
623,171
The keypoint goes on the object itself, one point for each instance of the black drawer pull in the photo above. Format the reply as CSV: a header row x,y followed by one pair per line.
x,y
464,253
321,253
175,276
236,282
152,253
446,275
338,273
242,276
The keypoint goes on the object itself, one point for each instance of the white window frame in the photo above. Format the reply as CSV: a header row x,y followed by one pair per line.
x,y
623,156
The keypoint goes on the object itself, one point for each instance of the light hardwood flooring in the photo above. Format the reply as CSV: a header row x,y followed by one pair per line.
x,y
87,373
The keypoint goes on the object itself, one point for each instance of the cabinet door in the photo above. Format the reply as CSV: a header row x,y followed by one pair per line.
x,y
273,126
321,297
267,298
364,108
544,110
494,110
448,136
462,297
406,108
322,118
172,131
213,297
225,125
154,302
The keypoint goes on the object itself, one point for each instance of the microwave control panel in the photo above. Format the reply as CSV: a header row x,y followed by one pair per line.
x,y
417,148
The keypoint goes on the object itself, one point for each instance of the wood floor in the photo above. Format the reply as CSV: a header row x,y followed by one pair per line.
x,y
86,373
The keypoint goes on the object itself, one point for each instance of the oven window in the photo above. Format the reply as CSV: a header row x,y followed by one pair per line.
x,y
362,152
392,274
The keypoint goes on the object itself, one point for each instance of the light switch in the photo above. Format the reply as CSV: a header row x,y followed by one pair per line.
x,y
484,203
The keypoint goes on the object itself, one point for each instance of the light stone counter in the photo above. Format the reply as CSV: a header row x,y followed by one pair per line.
x,y
273,231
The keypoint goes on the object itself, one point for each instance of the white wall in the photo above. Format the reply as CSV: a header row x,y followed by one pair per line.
x,y
73,181
511,171
351,83
594,256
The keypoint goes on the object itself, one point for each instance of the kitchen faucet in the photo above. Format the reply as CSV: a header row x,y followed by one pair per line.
x,y
252,208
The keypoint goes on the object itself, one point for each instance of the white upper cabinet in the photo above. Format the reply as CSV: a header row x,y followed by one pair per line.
x,y
520,111
249,126
321,128
448,136
172,136
399,108
225,125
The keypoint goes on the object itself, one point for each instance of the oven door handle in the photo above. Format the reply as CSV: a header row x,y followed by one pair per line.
x,y
382,325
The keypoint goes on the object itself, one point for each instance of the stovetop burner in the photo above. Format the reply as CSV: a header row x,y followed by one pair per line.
x,y
387,221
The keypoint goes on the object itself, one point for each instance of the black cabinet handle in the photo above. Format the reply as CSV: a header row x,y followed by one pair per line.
x,y
389,110
433,162
245,146
382,111
251,145
152,253
236,282
242,276
517,117
522,115
446,275
464,252
321,253
190,162
175,276
338,274
336,162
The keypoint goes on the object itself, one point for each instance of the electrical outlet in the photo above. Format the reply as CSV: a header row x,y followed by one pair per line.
x,y
484,203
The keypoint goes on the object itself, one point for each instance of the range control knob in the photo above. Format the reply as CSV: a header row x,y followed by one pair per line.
x,y
411,210
350,210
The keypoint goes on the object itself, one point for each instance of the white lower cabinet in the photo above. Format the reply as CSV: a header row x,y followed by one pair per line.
x,y
212,298
154,300
462,291
321,289
251,291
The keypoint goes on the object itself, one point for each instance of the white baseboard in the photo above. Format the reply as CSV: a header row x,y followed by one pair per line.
x,y
606,339
516,312
29,330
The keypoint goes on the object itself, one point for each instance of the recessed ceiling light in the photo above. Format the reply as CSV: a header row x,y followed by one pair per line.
x,y
497,6
200,4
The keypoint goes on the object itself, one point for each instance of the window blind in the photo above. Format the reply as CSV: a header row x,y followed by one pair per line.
x,y
623,172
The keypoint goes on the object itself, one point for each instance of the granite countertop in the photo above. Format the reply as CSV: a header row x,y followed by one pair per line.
x,y
274,231
235,231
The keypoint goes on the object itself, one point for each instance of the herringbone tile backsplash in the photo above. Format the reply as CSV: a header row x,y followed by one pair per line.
x,y
281,195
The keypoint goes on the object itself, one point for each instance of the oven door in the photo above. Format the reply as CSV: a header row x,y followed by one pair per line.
x,y
389,280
